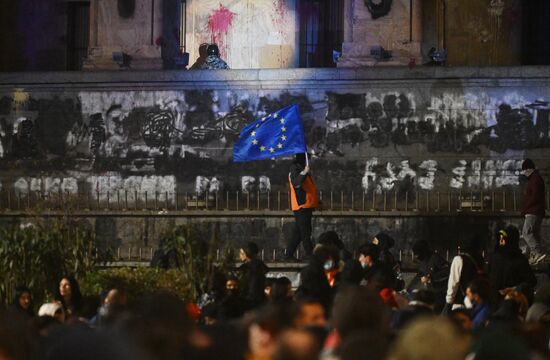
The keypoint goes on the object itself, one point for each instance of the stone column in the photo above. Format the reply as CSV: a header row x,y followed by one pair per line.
x,y
135,33
399,32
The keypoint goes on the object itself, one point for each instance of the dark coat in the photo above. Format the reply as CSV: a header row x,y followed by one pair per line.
x,y
314,283
511,269
252,281
533,202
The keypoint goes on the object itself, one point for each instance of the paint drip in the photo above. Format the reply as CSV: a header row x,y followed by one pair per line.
x,y
219,23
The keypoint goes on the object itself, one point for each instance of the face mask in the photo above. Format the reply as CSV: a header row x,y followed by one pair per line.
x,y
468,303
329,264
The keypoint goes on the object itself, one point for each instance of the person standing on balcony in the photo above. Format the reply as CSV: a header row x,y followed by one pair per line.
x,y
304,199
213,60
533,209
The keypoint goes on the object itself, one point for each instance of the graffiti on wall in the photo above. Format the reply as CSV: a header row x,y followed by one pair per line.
x,y
402,176
188,136
449,123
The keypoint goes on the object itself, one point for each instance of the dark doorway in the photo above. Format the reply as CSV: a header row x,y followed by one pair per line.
x,y
78,24
536,31
321,31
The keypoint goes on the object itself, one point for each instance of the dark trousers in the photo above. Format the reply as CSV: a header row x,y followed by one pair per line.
x,y
301,233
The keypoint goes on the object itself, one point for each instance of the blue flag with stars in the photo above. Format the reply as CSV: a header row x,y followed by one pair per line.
x,y
277,134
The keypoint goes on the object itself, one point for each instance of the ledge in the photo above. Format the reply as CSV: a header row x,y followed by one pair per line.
x,y
208,78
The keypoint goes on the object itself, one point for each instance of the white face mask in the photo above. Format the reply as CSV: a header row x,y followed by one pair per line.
x,y
468,303
329,264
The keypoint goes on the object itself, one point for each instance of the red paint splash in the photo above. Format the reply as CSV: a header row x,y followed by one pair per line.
x,y
219,23
280,17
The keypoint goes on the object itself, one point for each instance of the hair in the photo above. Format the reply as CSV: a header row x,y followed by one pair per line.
x,y
481,287
512,238
272,318
370,250
527,164
76,295
330,238
385,241
251,249
425,296
358,308
19,291
279,289
322,253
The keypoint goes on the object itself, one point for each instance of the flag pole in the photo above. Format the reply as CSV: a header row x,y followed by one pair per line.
x,y
307,159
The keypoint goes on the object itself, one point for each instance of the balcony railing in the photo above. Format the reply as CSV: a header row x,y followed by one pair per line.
x,y
333,202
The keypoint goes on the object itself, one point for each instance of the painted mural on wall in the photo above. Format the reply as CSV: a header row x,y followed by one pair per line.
x,y
251,34
169,141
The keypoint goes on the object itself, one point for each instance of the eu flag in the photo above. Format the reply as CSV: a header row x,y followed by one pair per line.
x,y
277,134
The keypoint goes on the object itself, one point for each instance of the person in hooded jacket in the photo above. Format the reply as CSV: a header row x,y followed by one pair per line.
x,y
433,273
314,282
252,274
213,60
385,243
22,302
508,267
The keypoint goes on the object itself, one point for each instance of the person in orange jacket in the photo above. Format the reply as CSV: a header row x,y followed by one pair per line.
x,y
304,199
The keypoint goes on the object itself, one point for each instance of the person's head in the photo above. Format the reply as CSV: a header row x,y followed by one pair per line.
x,y
296,345
53,309
478,291
69,291
429,338
328,256
264,328
213,50
281,289
248,251
164,325
359,308
383,240
508,238
300,159
269,281
330,238
309,312
209,314
22,298
527,167
203,49
368,255
425,297
232,285
472,245
462,319
422,250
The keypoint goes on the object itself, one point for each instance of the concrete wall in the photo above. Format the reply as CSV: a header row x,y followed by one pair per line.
x,y
370,130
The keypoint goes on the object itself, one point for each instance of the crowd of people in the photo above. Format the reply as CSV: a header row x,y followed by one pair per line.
x,y
344,307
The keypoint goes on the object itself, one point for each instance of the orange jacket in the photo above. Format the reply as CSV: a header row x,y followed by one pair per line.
x,y
311,198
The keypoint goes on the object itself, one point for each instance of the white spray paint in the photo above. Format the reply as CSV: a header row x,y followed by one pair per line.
x,y
426,182
146,187
486,175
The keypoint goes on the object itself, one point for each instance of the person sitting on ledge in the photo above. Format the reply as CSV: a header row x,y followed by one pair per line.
x,y
213,60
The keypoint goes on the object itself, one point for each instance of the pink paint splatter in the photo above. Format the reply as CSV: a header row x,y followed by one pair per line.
x,y
280,17
219,23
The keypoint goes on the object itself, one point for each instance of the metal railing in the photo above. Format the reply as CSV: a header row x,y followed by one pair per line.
x,y
141,256
424,202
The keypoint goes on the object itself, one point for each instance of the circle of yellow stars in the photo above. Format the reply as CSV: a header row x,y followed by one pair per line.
x,y
282,138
